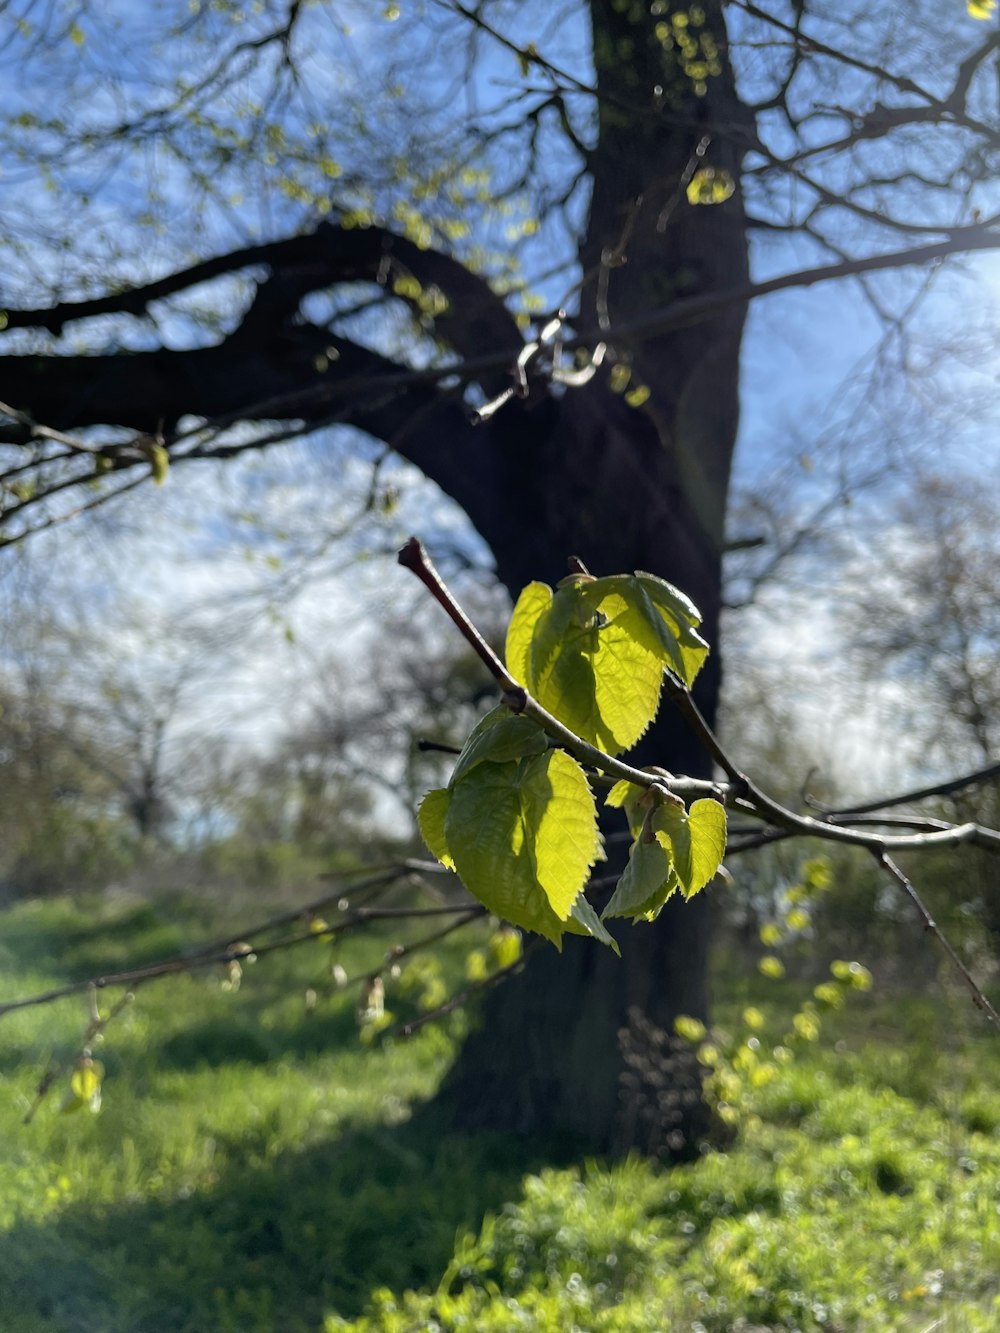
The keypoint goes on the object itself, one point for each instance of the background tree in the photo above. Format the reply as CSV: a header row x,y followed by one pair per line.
x,y
339,784
62,826
926,631
851,143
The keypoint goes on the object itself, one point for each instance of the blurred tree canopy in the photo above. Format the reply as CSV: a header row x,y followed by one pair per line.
x,y
508,243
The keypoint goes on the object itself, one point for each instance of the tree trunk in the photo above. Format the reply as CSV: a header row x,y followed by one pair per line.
x,y
580,1042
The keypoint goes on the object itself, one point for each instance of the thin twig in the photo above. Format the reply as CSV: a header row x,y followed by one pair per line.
x,y
747,797
978,998
463,997
216,954
945,788
473,913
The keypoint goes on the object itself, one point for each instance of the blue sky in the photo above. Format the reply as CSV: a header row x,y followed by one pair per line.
x,y
810,422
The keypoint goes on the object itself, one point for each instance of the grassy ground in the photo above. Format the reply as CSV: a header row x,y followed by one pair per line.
x,y
257,1167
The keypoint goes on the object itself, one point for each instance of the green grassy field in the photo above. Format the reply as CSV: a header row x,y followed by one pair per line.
x,y
255,1166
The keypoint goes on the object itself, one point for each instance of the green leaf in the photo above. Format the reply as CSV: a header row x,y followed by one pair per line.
x,y
560,811
84,1087
159,462
430,817
587,670
534,600
583,920
696,841
646,884
546,621
621,792
523,837
85,1080
525,57
499,737
627,796
593,652
532,637
673,849
505,947
657,615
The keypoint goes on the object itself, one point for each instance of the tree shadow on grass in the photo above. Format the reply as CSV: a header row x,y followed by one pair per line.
x,y
137,935
223,1039
273,1246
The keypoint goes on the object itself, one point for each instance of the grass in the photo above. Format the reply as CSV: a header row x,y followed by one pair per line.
x,y
257,1167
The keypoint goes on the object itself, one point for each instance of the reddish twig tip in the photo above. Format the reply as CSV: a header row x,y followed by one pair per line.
x,y
412,554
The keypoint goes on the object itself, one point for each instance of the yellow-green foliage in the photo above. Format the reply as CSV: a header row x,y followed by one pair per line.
x,y
861,1193
256,1167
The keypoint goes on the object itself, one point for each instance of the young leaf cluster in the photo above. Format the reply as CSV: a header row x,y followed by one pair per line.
x,y
518,820
673,848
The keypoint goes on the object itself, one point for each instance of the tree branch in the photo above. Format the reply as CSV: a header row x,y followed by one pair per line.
x,y
475,320
222,952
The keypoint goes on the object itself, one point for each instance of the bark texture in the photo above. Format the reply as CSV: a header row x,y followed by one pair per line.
x,y
581,1043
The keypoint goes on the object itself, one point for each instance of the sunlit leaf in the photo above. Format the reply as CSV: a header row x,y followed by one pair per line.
x,y
84,1086
535,599
621,792
583,920
85,1080
981,9
696,841
591,674
627,796
710,185
498,738
657,615
523,837
593,653
159,461
505,947
430,817
477,967
561,819
673,849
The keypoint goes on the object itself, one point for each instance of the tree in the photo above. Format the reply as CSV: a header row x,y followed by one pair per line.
x,y
927,626
682,134
340,783
930,614
60,823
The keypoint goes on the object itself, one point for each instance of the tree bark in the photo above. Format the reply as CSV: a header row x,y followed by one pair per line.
x,y
575,1044
581,1042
